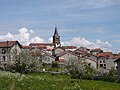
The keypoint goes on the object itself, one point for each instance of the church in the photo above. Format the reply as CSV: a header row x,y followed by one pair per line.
x,y
55,44
49,46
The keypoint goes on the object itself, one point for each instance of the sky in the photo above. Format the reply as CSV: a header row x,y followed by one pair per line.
x,y
88,23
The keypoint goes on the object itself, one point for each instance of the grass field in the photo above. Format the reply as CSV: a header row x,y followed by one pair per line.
x,y
45,81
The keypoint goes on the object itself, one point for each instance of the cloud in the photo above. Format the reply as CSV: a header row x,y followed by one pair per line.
x,y
31,31
50,40
37,40
78,41
24,37
8,36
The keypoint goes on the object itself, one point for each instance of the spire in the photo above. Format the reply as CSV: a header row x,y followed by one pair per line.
x,y
56,32
56,38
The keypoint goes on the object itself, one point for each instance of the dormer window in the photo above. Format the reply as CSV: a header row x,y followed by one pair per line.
x,y
3,51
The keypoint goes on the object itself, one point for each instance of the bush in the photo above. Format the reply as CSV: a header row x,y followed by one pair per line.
x,y
118,80
112,75
86,72
55,64
89,72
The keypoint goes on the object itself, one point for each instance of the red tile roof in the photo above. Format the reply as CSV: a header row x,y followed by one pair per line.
x,y
96,50
25,47
8,43
41,46
45,44
116,57
69,47
104,54
80,51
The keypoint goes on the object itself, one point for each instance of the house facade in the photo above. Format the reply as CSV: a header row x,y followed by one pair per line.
x,y
48,59
7,49
67,56
118,66
91,60
57,50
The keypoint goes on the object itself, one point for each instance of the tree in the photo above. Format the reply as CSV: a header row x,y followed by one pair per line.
x,y
24,62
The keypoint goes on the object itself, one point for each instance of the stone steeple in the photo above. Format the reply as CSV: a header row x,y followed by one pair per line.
x,y
56,38
56,32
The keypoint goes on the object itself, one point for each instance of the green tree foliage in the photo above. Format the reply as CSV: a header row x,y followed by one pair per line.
x,y
24,62
55,64
89,72
112,73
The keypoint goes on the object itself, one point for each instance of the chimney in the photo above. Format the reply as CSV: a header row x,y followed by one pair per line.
x,y
7,43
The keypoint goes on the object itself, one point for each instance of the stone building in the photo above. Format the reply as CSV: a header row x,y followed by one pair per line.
x,y
7,49
118,66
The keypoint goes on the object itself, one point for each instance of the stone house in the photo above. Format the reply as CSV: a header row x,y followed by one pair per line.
x,y
101,62
96,51
118,66
67,56
110,63
91,60
7,49
48,59
105,60
57,50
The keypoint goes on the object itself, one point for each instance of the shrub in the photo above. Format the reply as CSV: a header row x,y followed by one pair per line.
x,y
55,64
89,72
112,74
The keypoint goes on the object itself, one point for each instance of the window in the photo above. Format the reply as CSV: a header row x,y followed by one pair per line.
x,y
104,67
101,65
3,51
89,64
100,61
88,55
104,64
4,58
103,61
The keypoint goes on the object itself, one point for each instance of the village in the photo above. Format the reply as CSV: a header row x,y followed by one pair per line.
x,y
59,44
54,52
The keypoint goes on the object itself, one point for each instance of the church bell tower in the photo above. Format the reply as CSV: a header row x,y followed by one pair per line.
x,y
56,38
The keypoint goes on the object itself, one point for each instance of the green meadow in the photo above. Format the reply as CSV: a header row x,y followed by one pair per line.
x,y
46,81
